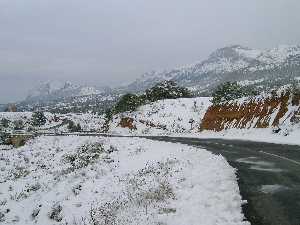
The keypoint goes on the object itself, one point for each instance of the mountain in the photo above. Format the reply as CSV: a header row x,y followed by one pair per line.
x,y
54,89
64,97
264,68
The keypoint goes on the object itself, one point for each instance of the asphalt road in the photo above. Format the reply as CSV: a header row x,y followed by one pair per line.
x,y
268,177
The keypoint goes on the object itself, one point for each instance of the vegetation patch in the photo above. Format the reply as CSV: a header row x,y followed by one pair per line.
x,y
230,91
84,156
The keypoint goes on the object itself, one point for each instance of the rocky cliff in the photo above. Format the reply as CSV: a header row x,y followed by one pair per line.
x,y
259,112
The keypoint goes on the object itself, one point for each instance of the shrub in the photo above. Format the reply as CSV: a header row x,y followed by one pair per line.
x,y
4,123
5,139
166,90
84,156
18,125
38,119
231,91
72,127
55,213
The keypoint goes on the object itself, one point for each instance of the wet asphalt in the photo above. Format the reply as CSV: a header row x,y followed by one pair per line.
x,y
268,176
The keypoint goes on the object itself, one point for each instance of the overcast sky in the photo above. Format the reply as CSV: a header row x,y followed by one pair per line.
x,y
109,42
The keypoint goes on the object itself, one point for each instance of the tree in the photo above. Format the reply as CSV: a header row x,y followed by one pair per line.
x,y
108,115
230,91
128,102
38,119
166,90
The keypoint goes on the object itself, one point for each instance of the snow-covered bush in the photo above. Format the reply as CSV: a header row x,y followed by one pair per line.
x,y
84,156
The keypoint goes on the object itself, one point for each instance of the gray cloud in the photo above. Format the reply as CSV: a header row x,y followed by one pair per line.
x,y
108,42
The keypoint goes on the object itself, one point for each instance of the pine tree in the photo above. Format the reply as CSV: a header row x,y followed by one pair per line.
x,y
38,119
166,90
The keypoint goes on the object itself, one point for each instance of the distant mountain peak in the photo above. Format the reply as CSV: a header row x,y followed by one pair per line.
x,y
55,89
234,62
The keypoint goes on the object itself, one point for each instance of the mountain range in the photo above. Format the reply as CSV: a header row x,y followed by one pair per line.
x,y
264,69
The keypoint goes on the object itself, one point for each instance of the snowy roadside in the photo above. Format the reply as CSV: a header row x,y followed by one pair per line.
x,y
255,134
92,180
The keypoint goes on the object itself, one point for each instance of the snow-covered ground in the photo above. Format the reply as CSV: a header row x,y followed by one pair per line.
x,y
92,180
87,121
164,117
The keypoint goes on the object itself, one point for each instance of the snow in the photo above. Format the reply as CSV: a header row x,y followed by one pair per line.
x,y
171,118
249,53
250,82
52,180
254,134
88,91
166,116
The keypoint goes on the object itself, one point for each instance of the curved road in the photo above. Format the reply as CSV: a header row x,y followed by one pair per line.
x,y
268,177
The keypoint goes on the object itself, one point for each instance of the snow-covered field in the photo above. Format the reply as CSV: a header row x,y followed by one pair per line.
x,y
92,180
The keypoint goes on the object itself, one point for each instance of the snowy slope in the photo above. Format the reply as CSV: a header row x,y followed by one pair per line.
x,y
85,180
164,117
171,117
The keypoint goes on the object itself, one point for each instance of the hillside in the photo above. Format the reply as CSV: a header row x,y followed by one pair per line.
x,y
162,117
264,117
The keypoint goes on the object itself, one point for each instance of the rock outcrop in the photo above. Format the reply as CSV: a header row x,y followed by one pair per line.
x,y
266,112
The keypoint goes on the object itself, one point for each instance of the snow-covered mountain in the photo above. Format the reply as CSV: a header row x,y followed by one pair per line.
x,y
54,89
264,68
65,97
